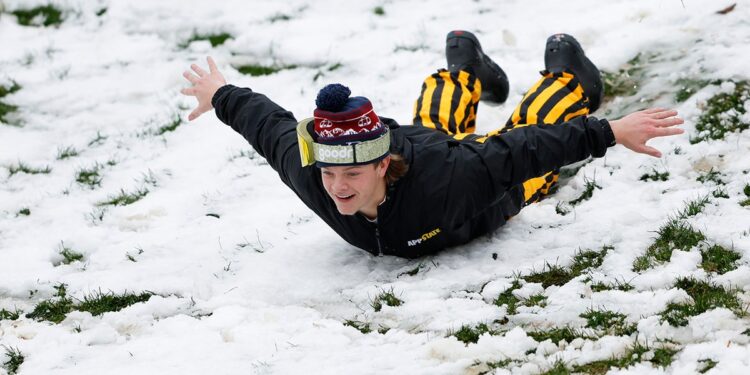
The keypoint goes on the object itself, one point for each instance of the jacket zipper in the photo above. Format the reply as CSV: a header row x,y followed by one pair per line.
x,y
377,239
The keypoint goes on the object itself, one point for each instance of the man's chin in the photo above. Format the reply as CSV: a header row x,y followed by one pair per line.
x,y
346,210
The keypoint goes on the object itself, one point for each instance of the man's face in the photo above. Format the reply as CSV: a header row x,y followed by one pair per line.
x,y
356,188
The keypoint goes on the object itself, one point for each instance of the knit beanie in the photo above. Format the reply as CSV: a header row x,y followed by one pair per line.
x,y
345,130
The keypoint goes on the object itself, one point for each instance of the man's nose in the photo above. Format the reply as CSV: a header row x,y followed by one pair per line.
x,y
339,184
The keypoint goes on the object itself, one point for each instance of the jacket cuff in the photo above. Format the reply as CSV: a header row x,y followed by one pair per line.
x,y
609,135
219,93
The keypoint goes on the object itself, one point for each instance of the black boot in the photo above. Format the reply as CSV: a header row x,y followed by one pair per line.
x,y
564,53
463,52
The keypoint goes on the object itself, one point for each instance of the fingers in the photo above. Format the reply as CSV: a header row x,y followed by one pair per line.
x,y
653,110
190,77
199,70
651,151
667,122
666,113
190,91
212,65
665,132
195,114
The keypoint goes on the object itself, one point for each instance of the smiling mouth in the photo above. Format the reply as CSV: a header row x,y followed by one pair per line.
x,y
345,197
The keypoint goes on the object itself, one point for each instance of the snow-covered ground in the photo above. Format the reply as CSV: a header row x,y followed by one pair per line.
x,y
248,280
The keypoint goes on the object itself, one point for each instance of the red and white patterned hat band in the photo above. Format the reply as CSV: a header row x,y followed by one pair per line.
x,y
356,127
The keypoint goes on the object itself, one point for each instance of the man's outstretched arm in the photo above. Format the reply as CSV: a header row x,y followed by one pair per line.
x,y
528,152
265,125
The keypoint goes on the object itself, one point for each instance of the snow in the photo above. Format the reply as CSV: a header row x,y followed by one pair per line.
x,y
266,287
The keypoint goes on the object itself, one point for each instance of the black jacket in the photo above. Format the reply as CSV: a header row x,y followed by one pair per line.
x,y
454,190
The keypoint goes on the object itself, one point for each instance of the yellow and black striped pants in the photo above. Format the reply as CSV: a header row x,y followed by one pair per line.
x,y
448,103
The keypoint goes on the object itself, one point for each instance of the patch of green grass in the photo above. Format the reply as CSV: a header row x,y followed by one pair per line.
x,y
588,191
279,17
558,334
508,299
215,39
711,176
609,321
588,259
536,300
54,309
46,15
66,152
98,303
69,255
490,366
626,80
256,70
124,198
746,191
98,139
550,275
101,12
89,176
10,315
693,207
674,235
558,368
723,114
7,90
410,47
170,126
706,296
557,275
689,86
413,272
24,212
720,193
22,167
663,357
5,108
655,175
385,297
14,361
706,364
359,326
633,355
468,334
719,259
379,11
562,208
617,285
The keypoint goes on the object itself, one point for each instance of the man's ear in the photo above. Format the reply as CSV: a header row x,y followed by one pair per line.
x,y
383,166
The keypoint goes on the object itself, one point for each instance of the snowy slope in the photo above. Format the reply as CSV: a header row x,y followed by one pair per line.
x,y
248,280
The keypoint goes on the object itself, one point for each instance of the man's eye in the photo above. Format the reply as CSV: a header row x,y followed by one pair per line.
x,y
352,174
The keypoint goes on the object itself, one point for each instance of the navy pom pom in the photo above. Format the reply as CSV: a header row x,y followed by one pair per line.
x,y
333,97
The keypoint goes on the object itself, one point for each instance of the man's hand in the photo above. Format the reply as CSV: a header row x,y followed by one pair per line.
x,y
205,85
637,128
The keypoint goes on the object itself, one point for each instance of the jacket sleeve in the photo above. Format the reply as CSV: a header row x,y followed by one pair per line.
x,y
516,156
270,129
488,170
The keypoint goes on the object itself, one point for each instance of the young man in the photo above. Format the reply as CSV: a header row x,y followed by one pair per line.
x,y
414,190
